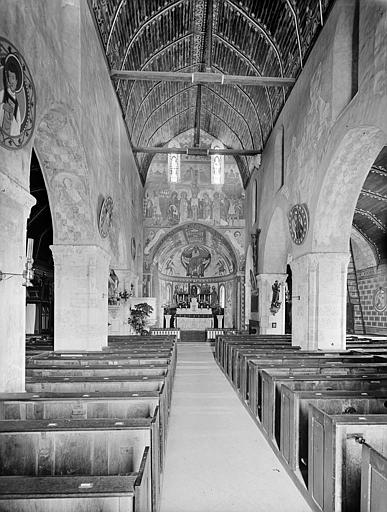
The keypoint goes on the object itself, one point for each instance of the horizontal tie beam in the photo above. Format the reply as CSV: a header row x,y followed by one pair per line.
x,y
202,77
197,151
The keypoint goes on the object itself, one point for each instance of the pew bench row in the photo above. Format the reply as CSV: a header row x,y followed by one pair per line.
x,y
324,414
96,420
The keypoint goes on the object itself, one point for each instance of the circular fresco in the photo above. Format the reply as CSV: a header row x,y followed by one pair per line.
x,y
380,300
298,223
17,98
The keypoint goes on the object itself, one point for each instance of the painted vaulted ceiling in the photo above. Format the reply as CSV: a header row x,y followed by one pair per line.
x,y
254,37
370,216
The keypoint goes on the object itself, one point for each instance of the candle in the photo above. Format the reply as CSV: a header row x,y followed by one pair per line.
x,y
30,246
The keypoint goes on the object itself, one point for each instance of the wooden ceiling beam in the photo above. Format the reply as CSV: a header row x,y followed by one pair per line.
x,y
198,113
202,77
197,151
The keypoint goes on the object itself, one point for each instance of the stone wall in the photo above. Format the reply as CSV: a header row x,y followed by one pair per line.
x,y
333,127
374,301
80,137
81,142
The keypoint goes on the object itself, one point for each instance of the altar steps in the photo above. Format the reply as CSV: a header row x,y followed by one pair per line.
x,y
193,336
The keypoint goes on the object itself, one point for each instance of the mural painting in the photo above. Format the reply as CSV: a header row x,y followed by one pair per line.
x,y
17,98
193,197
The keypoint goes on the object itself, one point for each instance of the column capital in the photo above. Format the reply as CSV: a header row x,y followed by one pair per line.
x,y
313,259
63,252
14,191
270,278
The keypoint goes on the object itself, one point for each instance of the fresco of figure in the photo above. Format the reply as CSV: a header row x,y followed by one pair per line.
x,y
148,206
195,206
156,208
216,208
206,207
12,110
183,206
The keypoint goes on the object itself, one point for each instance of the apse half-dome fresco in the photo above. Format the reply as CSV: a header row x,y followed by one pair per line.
x,y
210,255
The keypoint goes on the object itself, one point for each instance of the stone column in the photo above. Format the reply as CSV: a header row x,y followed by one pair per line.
x,y
319,292
81,297
270,322
15,207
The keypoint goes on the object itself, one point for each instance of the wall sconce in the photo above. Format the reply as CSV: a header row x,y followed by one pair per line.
x,y
28,272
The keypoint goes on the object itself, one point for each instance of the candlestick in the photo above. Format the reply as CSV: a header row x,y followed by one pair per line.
x,y
30,247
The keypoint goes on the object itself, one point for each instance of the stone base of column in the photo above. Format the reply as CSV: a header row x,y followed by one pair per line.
x,y
81,297
319,301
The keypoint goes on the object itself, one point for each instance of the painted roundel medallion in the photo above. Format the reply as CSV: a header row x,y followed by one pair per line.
x,y
17,98
105,217
298,223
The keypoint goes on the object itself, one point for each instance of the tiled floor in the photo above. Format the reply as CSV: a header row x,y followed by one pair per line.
x,y
217,459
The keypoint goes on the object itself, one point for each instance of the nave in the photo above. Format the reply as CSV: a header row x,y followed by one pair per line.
x,y
217,459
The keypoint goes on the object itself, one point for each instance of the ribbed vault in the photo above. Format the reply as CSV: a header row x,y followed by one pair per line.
x,y
258,38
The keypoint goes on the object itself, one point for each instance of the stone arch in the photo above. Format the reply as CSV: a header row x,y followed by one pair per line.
x,y
171,234
363,252
63,163
275,246
345,173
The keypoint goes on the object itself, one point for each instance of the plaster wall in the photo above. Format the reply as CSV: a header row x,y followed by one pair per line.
x,y
334,126
75,99
81,142
314,132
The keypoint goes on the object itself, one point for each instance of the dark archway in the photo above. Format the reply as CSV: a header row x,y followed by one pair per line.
x,y
40,296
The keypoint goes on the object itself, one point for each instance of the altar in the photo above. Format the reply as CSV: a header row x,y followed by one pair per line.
x,y
194,318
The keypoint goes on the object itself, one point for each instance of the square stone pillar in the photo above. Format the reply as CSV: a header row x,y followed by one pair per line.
x,y
15,207
319,295
81,297
270,322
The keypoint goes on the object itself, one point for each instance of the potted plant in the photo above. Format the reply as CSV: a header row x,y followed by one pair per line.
x,y
139,314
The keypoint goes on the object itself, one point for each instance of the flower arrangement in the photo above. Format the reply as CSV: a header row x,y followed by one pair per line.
x,y
139,314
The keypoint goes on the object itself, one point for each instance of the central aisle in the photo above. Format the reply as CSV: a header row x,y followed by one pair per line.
x,y
217,459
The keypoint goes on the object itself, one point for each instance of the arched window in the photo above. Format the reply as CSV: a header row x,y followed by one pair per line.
x,y
217,168
174,167
222,296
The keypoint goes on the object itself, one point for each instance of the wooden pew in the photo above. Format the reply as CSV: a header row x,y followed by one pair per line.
x,y
334,468
271,390
294,417
118,405
222,342
373,479
78,493
94,447
236,352
311,360
51,370
87,384
84,358
243,368
232,349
